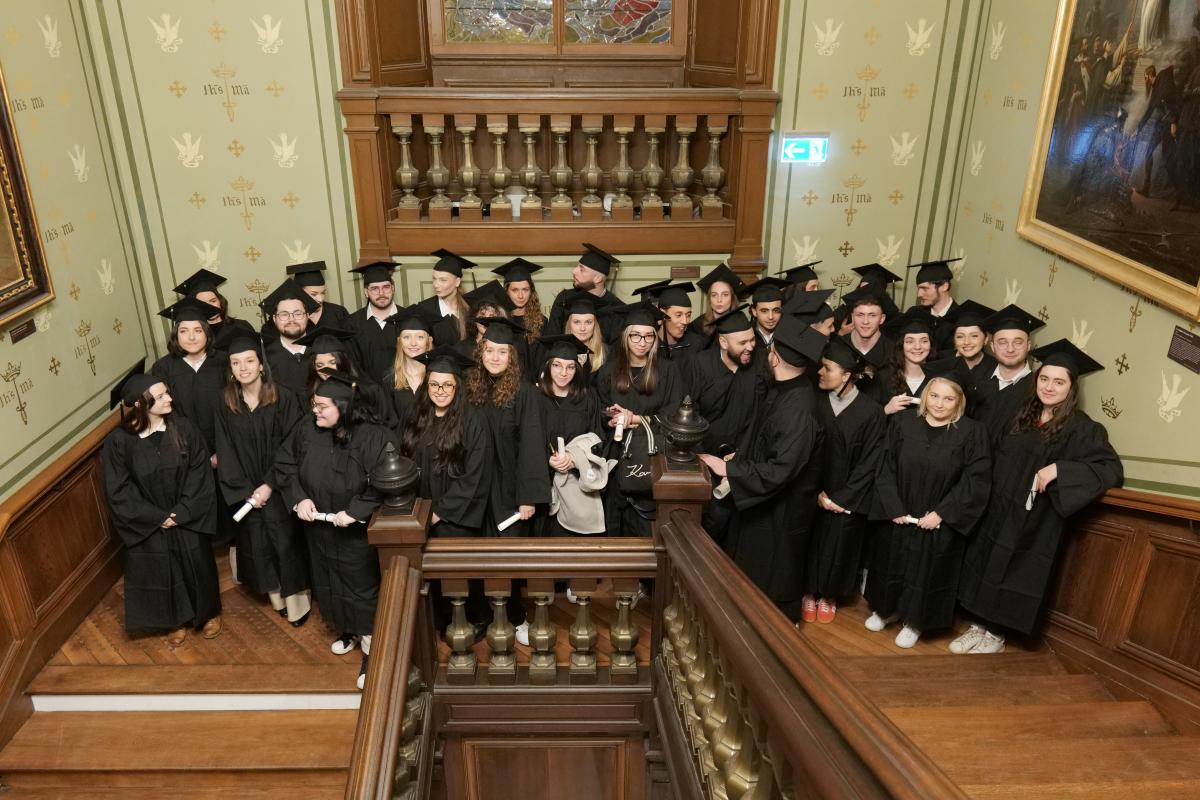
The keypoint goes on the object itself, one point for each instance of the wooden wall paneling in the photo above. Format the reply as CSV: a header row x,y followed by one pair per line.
x,y
367,146
356,43
751,147
715,33
402,43
1093,556
756,50
1165,625
581,769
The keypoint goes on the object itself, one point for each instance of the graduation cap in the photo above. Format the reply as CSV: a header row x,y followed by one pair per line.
x,y
595,258
876,275
676,295
326,339
501,330
234,339
950,369
491,292
971,314
563,346
917,319
337,385
376,272
578,301
721,274
802,274
640,314
809,303
202,280
451,262
798,344
650,292
189,309
1012,318
934,271
131,387
732,321
310,273
445,358
517,270
843,355
765,290
872,294
1066,355
414,318
288,290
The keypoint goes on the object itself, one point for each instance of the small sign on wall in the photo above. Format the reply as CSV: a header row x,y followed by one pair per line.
x,y
1185,348
798,147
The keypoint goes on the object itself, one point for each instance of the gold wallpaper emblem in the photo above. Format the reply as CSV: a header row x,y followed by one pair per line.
x,y
118,326
177,88
217,31
252,253
864,93
1122,364
55,365
197,200
226,90
1135,311
853,198
1052,270
244,201
895,197
275,89
236,148
1109,405
290,199
845,248
84,332
13,395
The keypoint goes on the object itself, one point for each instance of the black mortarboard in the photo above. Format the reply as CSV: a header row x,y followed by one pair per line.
x,y
676,295
650,292
326,339
376,271
578,301
808,303
414,318
490,292
843,355
451,262
131,388
950,369
873,294
876,275
189,309
563,346
337,385
288,290
1012,318
310,273
501,330
766,290
201,280
517,270
595,258
801,274
916,320
1065,354
798,344
721,273
934,271
236,339
969,314
445,358
640,314
732,321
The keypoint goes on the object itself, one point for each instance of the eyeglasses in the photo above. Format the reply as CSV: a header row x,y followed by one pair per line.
x,y
442,388
640,337
380,289
291,314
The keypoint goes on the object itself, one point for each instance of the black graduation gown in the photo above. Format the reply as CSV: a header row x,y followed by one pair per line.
x,y
270,547
402,400
170,573
774,480
606,318
853,448
196,393
684,350
445,330
374,347
1010,561
345,569
878,357
706,337
943,333
519,453
996,407
459,502
725,398
239,324
914,573
287,368
333,315
563,418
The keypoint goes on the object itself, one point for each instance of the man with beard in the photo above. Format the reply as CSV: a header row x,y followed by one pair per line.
x,y
374,336
287,310
998,395
591,275
766,308
311,278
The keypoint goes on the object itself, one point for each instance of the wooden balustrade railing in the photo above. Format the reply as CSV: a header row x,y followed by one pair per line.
x,y
684,170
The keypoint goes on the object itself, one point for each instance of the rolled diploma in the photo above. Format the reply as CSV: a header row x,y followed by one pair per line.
x,y
508,523
619,433
321,516
241,513
1032,494
910,520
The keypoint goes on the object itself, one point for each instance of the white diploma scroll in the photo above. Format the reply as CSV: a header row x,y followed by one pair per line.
x,y
508,523
241,513
619,433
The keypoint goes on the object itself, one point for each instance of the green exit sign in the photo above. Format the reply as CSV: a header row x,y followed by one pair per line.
x,y
803,148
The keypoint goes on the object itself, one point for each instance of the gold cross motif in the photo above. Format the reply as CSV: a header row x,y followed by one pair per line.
x,y
846,249
177,89
968,209
910,91
1122,363
237,148
872,35
197,200
896,197
1053,270
118,326
275,88
55,365
216,31
858,147
74,291
225,72
244,186
820,91
290,199
12,34
1043,314
983,278
810,198
252,253
867,74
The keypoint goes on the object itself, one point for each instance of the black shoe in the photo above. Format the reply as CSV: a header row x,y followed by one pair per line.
x,y
282,612
300,622
344,644
362,672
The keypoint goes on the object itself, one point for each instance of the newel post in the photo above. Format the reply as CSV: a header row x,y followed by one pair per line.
x,y
681,482
400,527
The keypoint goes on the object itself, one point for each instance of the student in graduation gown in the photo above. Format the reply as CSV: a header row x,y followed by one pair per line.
x,y
801,278
970,344
202,285
374,338
899,383
854,427
310,276
1053,464
774,476
517,276
407,373
998,395
567,407
936,469
679,343
329,349
450,444
449,305
325,467
487,302
193,369
766,309
869,311
254,419
288,311
934,284
159,486
633,386
721,288
591,275
579,313
508,405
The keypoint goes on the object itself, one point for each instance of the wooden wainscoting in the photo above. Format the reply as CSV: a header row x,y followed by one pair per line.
x,y
1127,604
58,556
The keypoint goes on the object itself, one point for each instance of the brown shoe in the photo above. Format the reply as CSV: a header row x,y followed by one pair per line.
x,y
177,637
212,628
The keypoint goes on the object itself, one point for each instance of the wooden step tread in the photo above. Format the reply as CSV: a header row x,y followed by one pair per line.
x,y
198,679
1069,720
193,740
185,787
1000,691
858,668
1147,789
1019,763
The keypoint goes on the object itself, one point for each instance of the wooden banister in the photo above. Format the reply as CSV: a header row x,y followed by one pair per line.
x,y
540,558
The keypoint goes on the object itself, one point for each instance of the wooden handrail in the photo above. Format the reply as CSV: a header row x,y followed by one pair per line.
x,y
860,752
1179,507
540,558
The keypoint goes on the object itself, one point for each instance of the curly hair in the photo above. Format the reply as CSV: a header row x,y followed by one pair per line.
x,y
533,318
483,389
1029,413
448,433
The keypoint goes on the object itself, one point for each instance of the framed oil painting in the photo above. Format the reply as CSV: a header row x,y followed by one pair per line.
x,y
24,278
1114,181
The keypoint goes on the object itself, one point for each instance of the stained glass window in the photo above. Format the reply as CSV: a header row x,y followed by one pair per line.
x,y
506,21
618,21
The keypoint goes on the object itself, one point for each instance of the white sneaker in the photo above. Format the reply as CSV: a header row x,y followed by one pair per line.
x,y
362,673
877,623
523,633
990,643
966,643
907,637
344,644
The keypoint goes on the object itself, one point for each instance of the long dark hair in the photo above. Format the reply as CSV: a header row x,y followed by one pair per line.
x,y
175,349
344,364
576,389
450,436
1029,414
533,317
137,419
351,413
623,380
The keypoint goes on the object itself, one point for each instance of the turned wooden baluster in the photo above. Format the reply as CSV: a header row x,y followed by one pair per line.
x,y
682,173
460,634
745,778
531,174
652,171
583,635
591,174
624,634
468,173
438,176
500,174
561,205
726,740
543,636
501,635
407,176
622,175
713,174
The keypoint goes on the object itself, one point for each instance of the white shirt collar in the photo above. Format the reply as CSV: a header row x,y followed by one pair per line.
x,y
196,365
445,308
297,349
1004,384
387,314
160,426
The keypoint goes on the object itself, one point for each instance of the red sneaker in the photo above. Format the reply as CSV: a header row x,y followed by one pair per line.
x,y
808,608
826,611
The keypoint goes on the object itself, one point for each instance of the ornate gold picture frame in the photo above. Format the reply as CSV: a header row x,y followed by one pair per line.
x,y
1114,182
24,278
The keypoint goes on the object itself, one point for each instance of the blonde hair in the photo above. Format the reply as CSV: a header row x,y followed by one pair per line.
x,y
401,361
960,405
595,343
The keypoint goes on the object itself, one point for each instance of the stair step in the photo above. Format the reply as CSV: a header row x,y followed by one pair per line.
x,y
1072,720
115,788
1158,790
1017,763
197,679
223,741
1000,691
858,668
